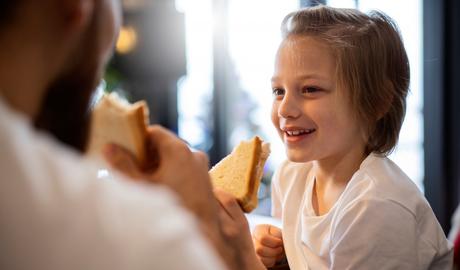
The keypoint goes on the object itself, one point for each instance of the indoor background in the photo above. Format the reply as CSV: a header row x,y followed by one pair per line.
x,y
204,67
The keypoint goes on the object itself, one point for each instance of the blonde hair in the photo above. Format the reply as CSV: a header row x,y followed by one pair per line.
x,y
371,63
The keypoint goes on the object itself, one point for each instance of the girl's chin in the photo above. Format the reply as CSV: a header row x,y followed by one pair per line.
x,y
297,156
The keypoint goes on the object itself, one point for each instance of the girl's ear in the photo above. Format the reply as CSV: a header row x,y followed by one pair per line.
x,y
76,14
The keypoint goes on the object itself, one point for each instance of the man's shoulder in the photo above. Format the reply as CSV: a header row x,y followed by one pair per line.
x,y
38,170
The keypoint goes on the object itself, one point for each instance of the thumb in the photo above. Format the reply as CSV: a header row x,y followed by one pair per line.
x,y
121,159
275,231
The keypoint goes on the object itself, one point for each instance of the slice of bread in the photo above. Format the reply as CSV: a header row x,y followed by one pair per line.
x,y
114,120
240,172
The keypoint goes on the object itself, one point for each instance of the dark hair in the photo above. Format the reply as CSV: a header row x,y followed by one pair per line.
x,y
65,108
7,10
371,64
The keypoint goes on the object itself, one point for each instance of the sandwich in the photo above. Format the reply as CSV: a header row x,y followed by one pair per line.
x,y
240,172
114,120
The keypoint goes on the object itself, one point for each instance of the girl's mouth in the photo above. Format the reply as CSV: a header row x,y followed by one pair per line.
x,y
299,132
294,136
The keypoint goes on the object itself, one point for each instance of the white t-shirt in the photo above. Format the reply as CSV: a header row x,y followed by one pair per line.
x,y
55,214
380,221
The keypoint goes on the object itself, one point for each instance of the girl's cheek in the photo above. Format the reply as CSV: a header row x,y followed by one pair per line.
x,y
274,115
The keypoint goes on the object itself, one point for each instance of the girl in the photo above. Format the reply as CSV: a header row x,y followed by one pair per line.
x,y
340,82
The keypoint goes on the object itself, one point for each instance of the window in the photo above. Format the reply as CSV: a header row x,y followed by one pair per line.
x,y
195,89
252,38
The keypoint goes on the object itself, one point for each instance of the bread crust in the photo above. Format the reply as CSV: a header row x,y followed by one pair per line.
x,y
140,123
122,124
240,172
249,201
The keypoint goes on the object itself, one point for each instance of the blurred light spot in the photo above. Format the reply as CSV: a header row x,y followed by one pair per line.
x,y
127,40
97,95
102,174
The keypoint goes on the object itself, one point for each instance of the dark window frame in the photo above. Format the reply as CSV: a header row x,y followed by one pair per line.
x,y
441,31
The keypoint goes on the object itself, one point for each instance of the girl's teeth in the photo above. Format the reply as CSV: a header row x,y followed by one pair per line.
x,y
295,132
298,132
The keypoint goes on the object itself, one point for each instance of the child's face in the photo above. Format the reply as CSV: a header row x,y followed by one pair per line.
x,y
311,112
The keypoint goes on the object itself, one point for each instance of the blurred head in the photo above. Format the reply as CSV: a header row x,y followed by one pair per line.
x,y
369,71
81,34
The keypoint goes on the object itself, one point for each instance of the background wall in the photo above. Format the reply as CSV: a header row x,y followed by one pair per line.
x,y
204,67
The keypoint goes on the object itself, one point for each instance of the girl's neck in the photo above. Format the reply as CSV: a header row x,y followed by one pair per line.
x,y
332,176
338,169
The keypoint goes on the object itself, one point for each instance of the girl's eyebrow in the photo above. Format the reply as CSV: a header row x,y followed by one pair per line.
x,y
311,76
302,77
275,79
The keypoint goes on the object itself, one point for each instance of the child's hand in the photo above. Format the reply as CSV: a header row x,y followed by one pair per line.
x,y
268,243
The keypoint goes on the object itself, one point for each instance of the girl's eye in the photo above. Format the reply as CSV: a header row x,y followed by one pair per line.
x,y
310,89
278,92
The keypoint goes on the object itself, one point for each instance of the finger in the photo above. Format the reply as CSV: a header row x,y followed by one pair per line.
x,y
224,216
121,159
268,262
230,204
275,231
166,143
262,229
161,138
159,133
269,252
218,193
152,159
268,234
281,256
226,222
223,213
202,157
268,240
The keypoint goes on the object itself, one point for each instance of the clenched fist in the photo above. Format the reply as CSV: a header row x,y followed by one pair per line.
x,y
268,244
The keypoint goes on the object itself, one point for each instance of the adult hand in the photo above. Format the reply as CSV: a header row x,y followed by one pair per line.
x,y
172,164
236,231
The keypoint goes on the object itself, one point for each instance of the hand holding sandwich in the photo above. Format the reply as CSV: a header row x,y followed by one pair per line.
x,y
235,228
121,132
179,169
175,167
265,248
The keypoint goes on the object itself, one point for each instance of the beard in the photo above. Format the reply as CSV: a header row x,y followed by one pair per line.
x,y
65,110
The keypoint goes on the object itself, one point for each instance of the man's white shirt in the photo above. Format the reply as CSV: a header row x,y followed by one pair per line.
x,y
56,214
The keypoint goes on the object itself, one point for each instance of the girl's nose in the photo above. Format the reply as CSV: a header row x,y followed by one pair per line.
x,y
289,107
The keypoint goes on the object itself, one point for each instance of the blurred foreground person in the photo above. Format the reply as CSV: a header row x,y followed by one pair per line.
x,y
54,212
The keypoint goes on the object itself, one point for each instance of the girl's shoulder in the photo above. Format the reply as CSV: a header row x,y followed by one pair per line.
x,y
380,181
385,177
